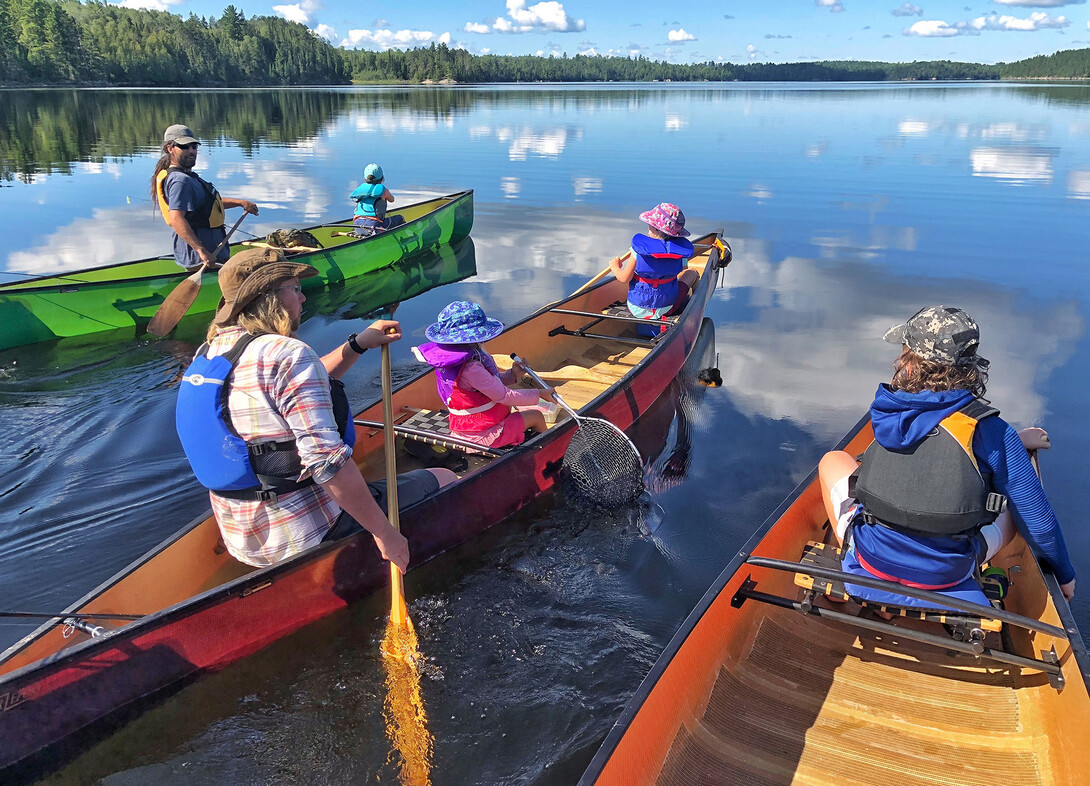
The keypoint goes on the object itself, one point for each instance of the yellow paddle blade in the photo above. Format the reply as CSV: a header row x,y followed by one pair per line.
x,y
399,614
403,711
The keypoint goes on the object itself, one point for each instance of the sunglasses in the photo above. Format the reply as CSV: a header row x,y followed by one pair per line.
x,y
296,289
190,146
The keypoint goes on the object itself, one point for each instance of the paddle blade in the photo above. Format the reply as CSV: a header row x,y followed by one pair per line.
x,y
399,614
175,305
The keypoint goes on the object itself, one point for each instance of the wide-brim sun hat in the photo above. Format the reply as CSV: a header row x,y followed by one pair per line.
x,y
249,273
463,322
940,334
666,217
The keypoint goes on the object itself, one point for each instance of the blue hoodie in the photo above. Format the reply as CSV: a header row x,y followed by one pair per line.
x,y
900,421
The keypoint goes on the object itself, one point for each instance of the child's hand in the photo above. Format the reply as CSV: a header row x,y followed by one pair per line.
x,y
1034,438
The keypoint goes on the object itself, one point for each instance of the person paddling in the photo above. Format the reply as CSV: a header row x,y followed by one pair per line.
x,y
655,269
267,428
190,205
935,494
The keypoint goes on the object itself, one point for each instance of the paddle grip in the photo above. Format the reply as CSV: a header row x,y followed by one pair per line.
x,y
541,383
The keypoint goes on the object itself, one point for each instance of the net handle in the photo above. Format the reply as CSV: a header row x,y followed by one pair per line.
x,y
541,383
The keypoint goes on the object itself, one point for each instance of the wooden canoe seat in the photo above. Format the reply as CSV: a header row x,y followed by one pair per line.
x,y
828,556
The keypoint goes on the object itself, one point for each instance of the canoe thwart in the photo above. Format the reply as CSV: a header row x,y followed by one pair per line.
x,y
1049,663
972,609
620,317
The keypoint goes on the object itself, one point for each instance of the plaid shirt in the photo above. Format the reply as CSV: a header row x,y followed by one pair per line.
x,y
279,391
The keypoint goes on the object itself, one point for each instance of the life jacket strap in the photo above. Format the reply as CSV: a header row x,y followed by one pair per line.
x,y
654,282
473,410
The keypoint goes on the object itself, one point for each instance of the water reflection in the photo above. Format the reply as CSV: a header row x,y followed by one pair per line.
x,y
1014,165
809,349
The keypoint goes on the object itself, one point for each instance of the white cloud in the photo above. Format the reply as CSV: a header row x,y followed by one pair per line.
x,y
675,122
301,12
390,39
932,29
1039,3
833,5
679,35
752,51
522,18
326,32
1038,20
1078,184
510,186
1019,166
908,9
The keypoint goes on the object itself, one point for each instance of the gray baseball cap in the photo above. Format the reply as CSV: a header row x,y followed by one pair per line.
x,y
941,334
179,134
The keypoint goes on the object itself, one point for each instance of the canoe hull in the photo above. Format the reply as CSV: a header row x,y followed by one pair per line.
x,y
49,703
127,296
751,693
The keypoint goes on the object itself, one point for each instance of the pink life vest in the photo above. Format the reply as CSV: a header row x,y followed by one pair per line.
x,y
470,411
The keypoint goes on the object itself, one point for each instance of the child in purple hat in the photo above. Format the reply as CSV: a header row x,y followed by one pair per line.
x,y
655,269
479,403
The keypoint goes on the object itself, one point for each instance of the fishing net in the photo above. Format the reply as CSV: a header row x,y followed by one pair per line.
x,y
603,465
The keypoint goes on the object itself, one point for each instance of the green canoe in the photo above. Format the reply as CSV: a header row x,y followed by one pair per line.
x,y
128,294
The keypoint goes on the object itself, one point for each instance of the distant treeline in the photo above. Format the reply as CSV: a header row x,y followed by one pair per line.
x,y
56,43
438,62
65,42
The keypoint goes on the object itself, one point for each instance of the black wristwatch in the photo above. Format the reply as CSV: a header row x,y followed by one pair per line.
x,y
355,347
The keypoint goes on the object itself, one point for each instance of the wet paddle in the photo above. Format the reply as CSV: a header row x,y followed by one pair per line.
x,y
179,300
399,615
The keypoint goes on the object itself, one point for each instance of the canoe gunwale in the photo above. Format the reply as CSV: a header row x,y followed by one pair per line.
x,y
730,573
218,602
14,288
632,707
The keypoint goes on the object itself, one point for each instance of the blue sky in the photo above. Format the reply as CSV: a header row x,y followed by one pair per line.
x,y
780,31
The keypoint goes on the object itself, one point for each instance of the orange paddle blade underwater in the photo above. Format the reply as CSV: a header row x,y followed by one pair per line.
x,y
176,304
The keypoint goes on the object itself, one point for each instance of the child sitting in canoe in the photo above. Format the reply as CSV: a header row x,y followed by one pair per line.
x,y
934,496
479,402
372,198
655,269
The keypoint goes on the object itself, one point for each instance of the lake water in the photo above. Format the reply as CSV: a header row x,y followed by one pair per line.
x,y
849,207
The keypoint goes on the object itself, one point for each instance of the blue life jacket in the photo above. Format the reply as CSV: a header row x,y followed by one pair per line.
x,y
368,203
221,459
658,263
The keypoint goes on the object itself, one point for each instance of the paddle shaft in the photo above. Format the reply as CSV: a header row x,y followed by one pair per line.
x,y
541,383
177,303
398,613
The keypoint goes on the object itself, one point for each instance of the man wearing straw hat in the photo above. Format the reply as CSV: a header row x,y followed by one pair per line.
x,y
277,457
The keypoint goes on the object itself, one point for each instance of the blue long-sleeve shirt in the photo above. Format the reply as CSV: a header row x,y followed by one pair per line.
x,y
903,419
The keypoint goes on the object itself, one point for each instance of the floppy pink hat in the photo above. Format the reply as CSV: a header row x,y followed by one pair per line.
x,y
666,218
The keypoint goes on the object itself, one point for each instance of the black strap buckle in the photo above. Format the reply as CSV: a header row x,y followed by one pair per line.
x,y
267,495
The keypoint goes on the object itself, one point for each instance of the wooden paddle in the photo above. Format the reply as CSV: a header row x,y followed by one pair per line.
x,y
179,300
399,614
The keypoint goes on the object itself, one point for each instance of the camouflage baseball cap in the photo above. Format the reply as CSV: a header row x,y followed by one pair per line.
x,y
941,334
